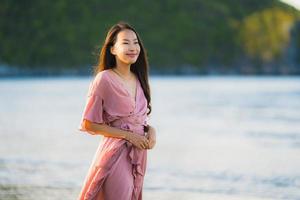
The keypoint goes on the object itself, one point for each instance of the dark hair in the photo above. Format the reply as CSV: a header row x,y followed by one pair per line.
x,y
140,68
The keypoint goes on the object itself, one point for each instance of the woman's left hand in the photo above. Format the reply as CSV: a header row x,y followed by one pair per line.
x,y
151,136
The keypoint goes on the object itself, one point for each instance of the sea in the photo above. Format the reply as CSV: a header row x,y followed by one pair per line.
x,y
218,137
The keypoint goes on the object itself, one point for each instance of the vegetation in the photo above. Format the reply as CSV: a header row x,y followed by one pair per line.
x,y
265,35
204,34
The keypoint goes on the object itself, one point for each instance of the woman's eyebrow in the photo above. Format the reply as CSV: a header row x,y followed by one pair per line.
x,y
129,40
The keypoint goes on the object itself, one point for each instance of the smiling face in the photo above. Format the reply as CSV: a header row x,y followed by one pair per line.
x,y
126,48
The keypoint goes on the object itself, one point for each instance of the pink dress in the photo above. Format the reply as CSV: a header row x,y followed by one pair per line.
x,y
118,168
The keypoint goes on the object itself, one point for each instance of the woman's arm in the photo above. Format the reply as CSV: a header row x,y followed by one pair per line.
x,y
109,131
105,130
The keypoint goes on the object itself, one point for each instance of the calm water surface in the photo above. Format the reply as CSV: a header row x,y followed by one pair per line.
x,y
217,138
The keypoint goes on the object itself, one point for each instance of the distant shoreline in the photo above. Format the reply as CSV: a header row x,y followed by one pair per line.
x,y
12,72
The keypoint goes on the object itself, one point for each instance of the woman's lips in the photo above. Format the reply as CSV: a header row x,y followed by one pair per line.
x,y
131,55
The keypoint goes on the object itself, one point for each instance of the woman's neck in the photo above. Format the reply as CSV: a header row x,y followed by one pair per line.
x,y
123,69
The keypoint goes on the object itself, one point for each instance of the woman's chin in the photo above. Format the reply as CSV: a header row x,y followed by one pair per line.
x,y
129,62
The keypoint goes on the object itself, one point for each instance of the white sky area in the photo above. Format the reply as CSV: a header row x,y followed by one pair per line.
x,y
295,3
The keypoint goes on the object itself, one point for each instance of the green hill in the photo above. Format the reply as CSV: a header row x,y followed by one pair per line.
x,y
247,36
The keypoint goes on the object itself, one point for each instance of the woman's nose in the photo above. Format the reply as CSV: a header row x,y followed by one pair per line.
x,y
132,48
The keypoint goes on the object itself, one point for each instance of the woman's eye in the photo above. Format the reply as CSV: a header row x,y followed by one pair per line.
x,y
128,43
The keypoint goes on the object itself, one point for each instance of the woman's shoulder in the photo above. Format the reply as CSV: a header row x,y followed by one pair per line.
x,y
102,75
100,82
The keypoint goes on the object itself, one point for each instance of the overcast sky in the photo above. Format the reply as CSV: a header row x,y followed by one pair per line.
x,y
295,3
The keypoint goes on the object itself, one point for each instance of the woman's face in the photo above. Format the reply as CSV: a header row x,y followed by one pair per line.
x,y
127,48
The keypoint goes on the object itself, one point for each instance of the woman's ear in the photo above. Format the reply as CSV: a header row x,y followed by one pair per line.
x,y
112,50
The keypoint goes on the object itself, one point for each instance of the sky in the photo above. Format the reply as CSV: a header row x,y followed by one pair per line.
x,y
295,3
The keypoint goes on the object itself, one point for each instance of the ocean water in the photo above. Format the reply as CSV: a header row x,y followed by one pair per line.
x,y
217,138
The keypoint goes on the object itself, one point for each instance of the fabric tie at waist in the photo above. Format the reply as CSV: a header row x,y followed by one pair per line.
x,y
131,124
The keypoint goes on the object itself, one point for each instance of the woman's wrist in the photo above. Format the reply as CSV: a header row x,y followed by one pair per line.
x,y
150,128
128,136
153,133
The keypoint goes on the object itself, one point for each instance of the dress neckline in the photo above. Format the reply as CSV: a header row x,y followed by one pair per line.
x,y
126,90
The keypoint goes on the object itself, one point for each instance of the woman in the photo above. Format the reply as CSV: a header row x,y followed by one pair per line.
x,y
117,107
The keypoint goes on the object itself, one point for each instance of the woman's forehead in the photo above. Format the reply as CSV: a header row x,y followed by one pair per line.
x,y
127,35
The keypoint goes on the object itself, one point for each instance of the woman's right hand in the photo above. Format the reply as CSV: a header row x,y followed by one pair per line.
x,y
137,140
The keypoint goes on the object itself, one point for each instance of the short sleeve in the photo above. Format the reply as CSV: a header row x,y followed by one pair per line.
x,y
93,110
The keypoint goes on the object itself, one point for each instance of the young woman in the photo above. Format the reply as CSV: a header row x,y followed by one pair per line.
x,y
117,107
